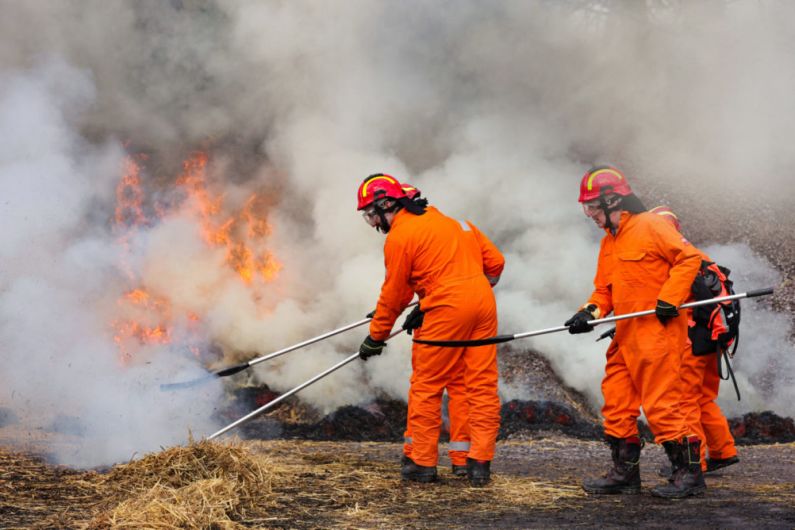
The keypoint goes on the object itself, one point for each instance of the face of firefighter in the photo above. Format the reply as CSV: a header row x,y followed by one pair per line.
x,y
372,218
593,209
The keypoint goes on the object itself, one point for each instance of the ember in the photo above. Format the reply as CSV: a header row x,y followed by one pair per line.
x,y
762,427
385,420
521,416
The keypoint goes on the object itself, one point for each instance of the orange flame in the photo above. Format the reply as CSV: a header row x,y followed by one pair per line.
x,y
135,332
243,236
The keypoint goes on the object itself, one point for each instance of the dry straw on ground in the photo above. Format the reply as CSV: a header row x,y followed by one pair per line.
x,y
281,484
198,486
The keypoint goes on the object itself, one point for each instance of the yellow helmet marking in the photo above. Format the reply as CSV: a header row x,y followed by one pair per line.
x,y
599,172
366,184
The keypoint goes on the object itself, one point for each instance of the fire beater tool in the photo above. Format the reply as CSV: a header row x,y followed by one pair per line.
x,y
289,393
506,338
231,370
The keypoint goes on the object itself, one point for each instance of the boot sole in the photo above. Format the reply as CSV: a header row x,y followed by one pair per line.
x,y
689,493
421,480
720,466
626,490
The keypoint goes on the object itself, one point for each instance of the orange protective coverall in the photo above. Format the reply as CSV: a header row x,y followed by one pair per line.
x,y
645,261
701,384
444,261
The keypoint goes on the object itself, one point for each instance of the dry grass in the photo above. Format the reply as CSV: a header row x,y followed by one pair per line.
x,y
303,484
782,493
199,486
280,484
360,489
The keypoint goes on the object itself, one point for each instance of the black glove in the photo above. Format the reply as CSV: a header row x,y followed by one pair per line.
x,y
579,322
370,347
665,311
414,320
371,314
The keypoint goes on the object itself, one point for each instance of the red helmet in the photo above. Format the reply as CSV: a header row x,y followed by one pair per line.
x,y
602,180
668,214
378,186
411,191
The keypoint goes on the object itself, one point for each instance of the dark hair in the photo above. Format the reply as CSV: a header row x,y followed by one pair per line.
x,y
411,206
422,202
632,204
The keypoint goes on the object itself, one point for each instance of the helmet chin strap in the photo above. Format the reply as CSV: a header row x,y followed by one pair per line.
x,y
383,225
607,209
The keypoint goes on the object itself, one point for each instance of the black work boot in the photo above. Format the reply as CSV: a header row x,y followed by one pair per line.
x,y
624,476
714,464
459,471
687,478
666,470
416,472
478,472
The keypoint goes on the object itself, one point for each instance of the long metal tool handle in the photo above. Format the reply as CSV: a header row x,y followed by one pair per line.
x,y
232,370
275,354
749,294
507,338
289,393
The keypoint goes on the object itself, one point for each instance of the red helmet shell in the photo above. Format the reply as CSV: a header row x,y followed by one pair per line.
x,y
410,191
669,215
601,181
376,187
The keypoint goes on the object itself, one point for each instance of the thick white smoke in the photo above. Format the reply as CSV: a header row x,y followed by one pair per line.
x,y
60,280
493,110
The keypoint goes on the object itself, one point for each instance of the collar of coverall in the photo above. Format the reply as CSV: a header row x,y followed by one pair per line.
x,y
398,216
622,222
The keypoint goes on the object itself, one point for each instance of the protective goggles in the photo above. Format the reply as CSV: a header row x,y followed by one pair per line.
x,y
370,216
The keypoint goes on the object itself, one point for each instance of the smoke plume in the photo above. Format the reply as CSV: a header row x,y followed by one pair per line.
x,y
494,110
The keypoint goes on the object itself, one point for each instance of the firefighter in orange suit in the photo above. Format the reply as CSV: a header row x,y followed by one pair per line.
x,y
643,262
452,267
457,407
701,382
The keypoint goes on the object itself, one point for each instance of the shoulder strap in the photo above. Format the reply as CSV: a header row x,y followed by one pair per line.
x,y
722,355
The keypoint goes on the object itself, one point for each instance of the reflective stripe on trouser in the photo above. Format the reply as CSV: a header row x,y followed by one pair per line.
x,y
456,449
645,369
469,312
458,413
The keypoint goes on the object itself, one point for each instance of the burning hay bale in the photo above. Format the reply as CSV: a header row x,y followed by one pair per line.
x,y
202,485
383,420
762,427
523,416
